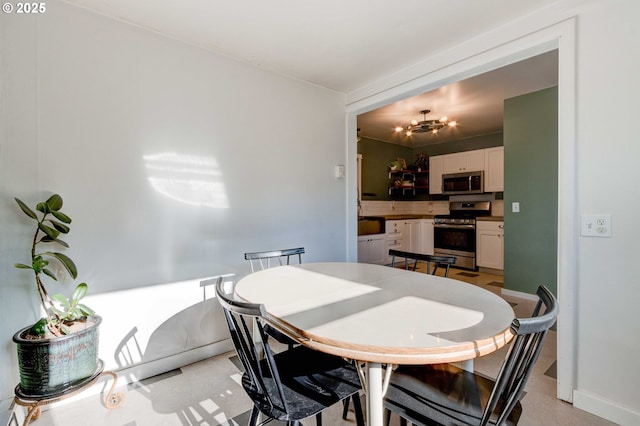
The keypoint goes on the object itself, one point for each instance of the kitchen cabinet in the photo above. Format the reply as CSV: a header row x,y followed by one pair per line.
x,y
490,244
371,249
494,169
490,160
426,230
467,161
436,164
394,237
412,240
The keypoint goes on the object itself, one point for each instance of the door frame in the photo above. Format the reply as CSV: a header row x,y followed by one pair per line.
x,y
470,60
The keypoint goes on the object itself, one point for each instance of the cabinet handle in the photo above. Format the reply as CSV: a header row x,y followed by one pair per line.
x,y
501,226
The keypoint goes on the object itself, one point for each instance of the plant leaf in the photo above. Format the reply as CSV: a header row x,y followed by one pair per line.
x,y
80,291
39,328
86,310
61,299
22,266
48,239
26,209
42,207
61,217
50,274
54,203
61,227
66,262
51,232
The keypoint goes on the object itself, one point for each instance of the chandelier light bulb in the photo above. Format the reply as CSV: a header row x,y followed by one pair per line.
x,y
434,131
399,129
408,133
452,123
444,119
414,122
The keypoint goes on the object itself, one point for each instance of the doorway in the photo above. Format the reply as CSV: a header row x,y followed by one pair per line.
x,y
561,37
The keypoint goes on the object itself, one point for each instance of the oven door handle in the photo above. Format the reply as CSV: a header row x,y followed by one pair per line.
x,y
454,226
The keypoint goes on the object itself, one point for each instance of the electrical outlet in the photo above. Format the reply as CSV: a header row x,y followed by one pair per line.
x,y
596,225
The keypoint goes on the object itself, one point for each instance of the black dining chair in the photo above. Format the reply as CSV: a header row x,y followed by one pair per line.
x,y
439,261
259,260
443,394
291,385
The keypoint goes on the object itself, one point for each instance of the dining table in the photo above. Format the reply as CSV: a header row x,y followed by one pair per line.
x,y
380,317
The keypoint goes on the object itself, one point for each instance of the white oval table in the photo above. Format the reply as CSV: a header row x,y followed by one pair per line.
x,y
380,316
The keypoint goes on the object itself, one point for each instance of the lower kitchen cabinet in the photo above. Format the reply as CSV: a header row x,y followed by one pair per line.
x,y
371,249
426,235
490,244
394,237
412,240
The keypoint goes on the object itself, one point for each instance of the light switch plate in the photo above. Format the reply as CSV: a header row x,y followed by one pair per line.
x,y
596,225
515,207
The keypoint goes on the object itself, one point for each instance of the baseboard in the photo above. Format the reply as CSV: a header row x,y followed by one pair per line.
x,y
153,368
519,294
606,409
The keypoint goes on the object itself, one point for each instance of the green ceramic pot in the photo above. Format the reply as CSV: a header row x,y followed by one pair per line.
x,y
49,367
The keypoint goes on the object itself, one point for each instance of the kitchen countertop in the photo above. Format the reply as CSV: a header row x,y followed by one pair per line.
x,y
401,216
490,218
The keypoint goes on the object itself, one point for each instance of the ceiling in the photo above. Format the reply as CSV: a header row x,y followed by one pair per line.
x,y
337,44
476,104
347,45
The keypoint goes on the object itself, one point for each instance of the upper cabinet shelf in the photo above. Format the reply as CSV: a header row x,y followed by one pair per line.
x,y
404,183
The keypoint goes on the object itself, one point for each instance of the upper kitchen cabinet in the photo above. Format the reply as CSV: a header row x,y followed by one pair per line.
x,y
494,169
468,161
489,160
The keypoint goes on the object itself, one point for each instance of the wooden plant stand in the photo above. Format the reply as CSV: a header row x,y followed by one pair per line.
x,y
33,403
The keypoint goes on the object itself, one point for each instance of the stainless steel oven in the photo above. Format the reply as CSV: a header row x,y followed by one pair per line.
x,y
455,233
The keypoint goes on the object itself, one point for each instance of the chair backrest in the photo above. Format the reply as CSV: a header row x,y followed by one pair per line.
x,y
240,321
262,259
521,356
437,261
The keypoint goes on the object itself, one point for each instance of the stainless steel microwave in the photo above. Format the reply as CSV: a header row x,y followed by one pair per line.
x,y
463,183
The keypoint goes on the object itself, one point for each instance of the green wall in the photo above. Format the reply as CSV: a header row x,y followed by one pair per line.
x,y
531,178
376,156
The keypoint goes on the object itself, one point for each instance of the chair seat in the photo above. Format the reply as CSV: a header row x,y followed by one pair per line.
x,y
441,394
311,381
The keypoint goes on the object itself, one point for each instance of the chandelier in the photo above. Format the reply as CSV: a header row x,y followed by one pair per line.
x,y
425,125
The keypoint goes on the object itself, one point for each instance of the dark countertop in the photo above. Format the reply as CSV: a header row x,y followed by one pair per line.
x,y
490,218
402,216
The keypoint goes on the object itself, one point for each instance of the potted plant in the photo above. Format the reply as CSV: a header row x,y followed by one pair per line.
x,y
60,350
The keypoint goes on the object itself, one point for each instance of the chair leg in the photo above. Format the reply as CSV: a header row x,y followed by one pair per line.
x,y
345,408
387,416
255,414
319,419
357,408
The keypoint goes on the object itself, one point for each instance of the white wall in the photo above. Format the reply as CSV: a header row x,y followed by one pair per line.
x,y
172,162
598,280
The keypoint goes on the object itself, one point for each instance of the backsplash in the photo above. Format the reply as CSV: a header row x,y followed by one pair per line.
x,y
386,208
